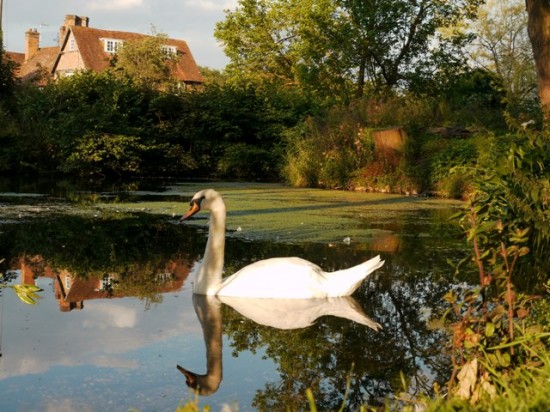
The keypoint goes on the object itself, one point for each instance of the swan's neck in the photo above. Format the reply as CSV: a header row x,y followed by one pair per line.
x,y
209,276
210,317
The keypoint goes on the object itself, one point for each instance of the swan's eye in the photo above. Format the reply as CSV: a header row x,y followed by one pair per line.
x,y
196,202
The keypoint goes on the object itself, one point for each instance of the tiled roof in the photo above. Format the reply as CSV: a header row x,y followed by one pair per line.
x,y
39,65
18,58
90,46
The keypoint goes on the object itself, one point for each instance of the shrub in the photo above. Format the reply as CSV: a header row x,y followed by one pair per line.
x,y
301,168
245,161
325,152
493,339
104,154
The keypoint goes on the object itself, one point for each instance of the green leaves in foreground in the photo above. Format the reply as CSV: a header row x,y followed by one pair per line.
x,y
493,335
27,293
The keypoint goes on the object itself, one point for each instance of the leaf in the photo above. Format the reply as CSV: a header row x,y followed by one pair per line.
x,y
503,359
524,251
27,293
522,313
467,378
450,297
489,329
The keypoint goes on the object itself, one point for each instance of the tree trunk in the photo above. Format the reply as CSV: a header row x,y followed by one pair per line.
x,y
538,26
361,77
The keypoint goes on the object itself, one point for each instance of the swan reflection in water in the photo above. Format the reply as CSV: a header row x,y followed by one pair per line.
x,y
276,313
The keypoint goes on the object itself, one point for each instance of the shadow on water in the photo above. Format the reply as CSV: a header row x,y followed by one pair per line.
x,y
150,257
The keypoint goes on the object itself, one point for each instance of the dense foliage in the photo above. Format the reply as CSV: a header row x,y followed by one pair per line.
x,y
107,125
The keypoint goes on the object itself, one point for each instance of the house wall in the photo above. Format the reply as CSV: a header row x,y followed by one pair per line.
x,y
69,61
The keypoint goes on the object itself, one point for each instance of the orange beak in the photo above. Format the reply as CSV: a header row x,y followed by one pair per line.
x,y
195,207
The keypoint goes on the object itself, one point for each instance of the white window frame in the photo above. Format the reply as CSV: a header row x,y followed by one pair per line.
x,y
72,44
112,46
169,50
106,282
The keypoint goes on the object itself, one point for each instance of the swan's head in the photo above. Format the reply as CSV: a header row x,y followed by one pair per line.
x,y
199,383
207,199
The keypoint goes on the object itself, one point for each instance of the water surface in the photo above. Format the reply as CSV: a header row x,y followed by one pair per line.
x,y
117,315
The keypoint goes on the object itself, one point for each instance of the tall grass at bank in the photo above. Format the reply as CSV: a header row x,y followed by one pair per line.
x,y
336,149
325,151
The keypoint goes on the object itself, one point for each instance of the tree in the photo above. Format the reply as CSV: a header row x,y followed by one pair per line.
x,y
502,46
538,26
7,67
145,62
332,46
396,42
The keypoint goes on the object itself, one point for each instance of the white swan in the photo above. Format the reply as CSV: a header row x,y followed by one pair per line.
x,y
286,278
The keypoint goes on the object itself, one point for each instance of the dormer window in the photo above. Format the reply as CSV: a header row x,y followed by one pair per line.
x,y
112,45
169,50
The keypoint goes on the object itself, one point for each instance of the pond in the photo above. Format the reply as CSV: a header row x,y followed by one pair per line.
x,y
117,327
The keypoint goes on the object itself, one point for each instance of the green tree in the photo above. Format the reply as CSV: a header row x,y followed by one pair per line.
x,y
212,76
7,78
54,118
502,46
394,43
145,61
332,47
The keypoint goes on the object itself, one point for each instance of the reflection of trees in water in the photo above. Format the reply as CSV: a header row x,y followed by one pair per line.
x,y
323,356
88,245
134,252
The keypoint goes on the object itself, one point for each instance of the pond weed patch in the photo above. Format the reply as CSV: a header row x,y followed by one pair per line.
x,y
277,212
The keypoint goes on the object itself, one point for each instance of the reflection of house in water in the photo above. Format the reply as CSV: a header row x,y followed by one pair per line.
x,y
71,291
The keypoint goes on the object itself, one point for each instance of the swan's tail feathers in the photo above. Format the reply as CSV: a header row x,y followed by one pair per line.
x,y
344,282
371,265
348,308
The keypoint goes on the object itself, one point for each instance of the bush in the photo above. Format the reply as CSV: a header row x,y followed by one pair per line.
x,y
104,154
301,168
325,152
246,162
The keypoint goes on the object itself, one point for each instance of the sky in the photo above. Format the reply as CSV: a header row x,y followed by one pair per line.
x,y
190,20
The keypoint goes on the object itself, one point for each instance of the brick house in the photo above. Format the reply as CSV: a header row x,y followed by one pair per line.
x,y
84,48
36,63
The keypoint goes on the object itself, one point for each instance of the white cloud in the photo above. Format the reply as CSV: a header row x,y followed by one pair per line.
x,y
112,5
212,5
66,405
111,315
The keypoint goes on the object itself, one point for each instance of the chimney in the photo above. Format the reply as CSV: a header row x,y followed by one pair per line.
x,y
72,20
32,43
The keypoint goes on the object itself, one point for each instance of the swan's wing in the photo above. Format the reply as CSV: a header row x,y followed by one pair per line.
x,y
285,278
